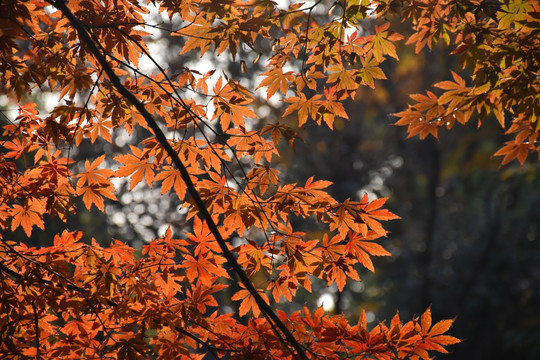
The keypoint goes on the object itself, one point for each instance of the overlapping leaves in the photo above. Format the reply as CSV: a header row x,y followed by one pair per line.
x,y
80,300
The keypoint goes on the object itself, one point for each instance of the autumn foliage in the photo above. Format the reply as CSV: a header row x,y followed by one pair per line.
x,y
77,299
497,43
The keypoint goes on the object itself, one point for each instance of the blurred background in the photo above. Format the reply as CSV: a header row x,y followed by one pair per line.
x,y
468,243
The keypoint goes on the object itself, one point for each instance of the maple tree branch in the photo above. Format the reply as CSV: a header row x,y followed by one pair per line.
x,y
304,55
204,344
16,275
36,323
70,284
17,127
161,138
10,272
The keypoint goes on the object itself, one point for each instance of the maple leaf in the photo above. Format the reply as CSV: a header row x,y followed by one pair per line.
x,y
370,71
285,285
344,78
231,102
172,178
339,271
137,165
408,117
94,193
328,110
93,176
100,128
204,267
382,42
425,102
344,218
457,84
201,295
234,110
334,266
55,169
372,212
275,79
18,147
432,338
278,130
94,184
75,81
67,239
262,176
513,150
253,258
305,107
27,216
360,247
168,283
248,302
202,238
333,248
198,35
320,197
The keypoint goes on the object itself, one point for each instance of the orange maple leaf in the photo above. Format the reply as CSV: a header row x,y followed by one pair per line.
x,y
137,165
248,302
360,247
27,216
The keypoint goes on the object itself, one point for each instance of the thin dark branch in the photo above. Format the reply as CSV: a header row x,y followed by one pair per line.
x,y
71,285
211,349
36,323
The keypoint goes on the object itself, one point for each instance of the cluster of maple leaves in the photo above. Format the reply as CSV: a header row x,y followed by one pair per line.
x,y
498,44
79,300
